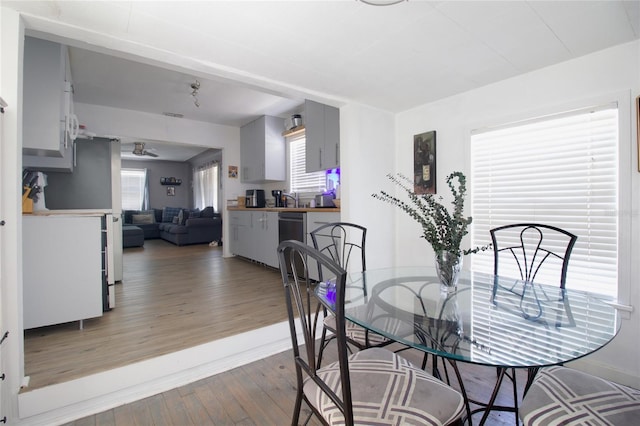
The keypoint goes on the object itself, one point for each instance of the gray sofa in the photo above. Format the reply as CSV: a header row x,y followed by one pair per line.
x,y
177,225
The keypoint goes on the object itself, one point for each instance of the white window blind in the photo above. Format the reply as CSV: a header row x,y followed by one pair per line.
x,y
301,181
560,171
133,188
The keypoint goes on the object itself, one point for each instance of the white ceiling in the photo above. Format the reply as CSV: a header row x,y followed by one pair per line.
x,y
265,57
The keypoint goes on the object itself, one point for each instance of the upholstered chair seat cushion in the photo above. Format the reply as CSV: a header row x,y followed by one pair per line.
x,y
387,390
561,395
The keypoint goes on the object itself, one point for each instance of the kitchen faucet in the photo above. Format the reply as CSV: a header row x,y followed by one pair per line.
x,y
293,196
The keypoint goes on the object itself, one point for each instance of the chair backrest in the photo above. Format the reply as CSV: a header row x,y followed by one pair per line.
x,y
530,248
303,317
342,242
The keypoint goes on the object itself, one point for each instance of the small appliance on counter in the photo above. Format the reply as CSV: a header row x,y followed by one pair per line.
x,y
255,198
324,200
277,195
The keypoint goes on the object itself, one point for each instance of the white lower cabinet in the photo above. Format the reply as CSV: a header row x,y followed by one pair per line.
x,y
62,271
254,235
266,232
314,221
317,219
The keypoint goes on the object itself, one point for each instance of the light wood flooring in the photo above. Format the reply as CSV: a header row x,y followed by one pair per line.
x,y
171,298
176,297
260,393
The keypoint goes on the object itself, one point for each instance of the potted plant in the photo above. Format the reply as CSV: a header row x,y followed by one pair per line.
x,y
444,230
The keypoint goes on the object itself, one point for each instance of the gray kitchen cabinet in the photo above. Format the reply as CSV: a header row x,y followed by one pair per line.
x,y
62,276
239,226
262,150
322,132
49,125
266,232
254,235
314,221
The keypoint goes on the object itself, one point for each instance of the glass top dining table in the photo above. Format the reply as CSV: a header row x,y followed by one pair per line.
x,y
488,320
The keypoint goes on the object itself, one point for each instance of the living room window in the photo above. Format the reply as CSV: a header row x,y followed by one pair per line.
x,y
557,170
301,181
205,185
135,193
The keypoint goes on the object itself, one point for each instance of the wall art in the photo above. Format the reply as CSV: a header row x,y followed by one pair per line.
x,y
424,163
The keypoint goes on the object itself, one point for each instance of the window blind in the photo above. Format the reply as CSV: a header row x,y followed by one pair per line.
x,y
561,171
301,181
133,188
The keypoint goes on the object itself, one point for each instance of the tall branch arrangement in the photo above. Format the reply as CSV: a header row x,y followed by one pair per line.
x,y
443,230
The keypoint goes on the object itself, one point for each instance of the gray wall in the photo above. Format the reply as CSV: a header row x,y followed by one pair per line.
x,y
156,169
89,186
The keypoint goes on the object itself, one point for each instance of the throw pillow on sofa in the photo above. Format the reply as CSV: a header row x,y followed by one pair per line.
x,y
207,212
183,216
142,219
168,213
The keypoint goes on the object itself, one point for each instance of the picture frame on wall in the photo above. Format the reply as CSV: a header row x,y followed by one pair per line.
x,y
424,163
171,191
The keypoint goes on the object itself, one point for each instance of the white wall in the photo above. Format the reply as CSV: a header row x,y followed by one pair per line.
x,y
11,46
367,155
607,75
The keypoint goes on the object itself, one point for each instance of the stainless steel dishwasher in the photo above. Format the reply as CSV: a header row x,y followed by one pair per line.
x,y
292,226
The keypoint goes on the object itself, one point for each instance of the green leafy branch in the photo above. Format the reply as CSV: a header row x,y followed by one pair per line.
x,y
443,230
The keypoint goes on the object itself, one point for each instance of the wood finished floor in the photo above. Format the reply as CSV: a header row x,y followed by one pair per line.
x,y
175,297
260,393
171,298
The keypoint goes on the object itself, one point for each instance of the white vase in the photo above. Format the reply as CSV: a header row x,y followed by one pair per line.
x,y
448,267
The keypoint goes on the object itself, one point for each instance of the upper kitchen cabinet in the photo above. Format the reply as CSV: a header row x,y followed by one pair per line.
x,y
262,150
322,131
49,125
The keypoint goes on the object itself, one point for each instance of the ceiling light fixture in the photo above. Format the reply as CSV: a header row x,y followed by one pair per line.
x,y
382,2
194,92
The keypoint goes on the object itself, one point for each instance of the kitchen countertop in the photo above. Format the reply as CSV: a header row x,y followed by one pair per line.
x,y
71,212
287,209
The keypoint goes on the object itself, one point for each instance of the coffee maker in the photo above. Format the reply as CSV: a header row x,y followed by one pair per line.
x,y
277,195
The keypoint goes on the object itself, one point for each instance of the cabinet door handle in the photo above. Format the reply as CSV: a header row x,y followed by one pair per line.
x,y
74,126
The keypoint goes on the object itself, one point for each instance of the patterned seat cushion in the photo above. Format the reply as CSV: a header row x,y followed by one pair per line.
x,y
357,334
387,390
562,395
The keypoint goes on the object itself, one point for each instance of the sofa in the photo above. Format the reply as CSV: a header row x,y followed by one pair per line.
x,y
177,225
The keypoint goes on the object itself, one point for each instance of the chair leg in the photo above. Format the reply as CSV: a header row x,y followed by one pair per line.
x,y
296,408
515,393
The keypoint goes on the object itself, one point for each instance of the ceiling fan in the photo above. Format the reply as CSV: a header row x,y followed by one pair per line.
x,y
138,149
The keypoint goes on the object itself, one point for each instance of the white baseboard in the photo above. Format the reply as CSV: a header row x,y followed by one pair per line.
x,y
65,402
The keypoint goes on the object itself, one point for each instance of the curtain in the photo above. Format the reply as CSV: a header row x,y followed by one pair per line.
x,y
145,196
205,185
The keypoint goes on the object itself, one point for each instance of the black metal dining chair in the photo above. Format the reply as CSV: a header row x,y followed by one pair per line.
x,y
372,386
529,252
345,244
527,249
562,395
